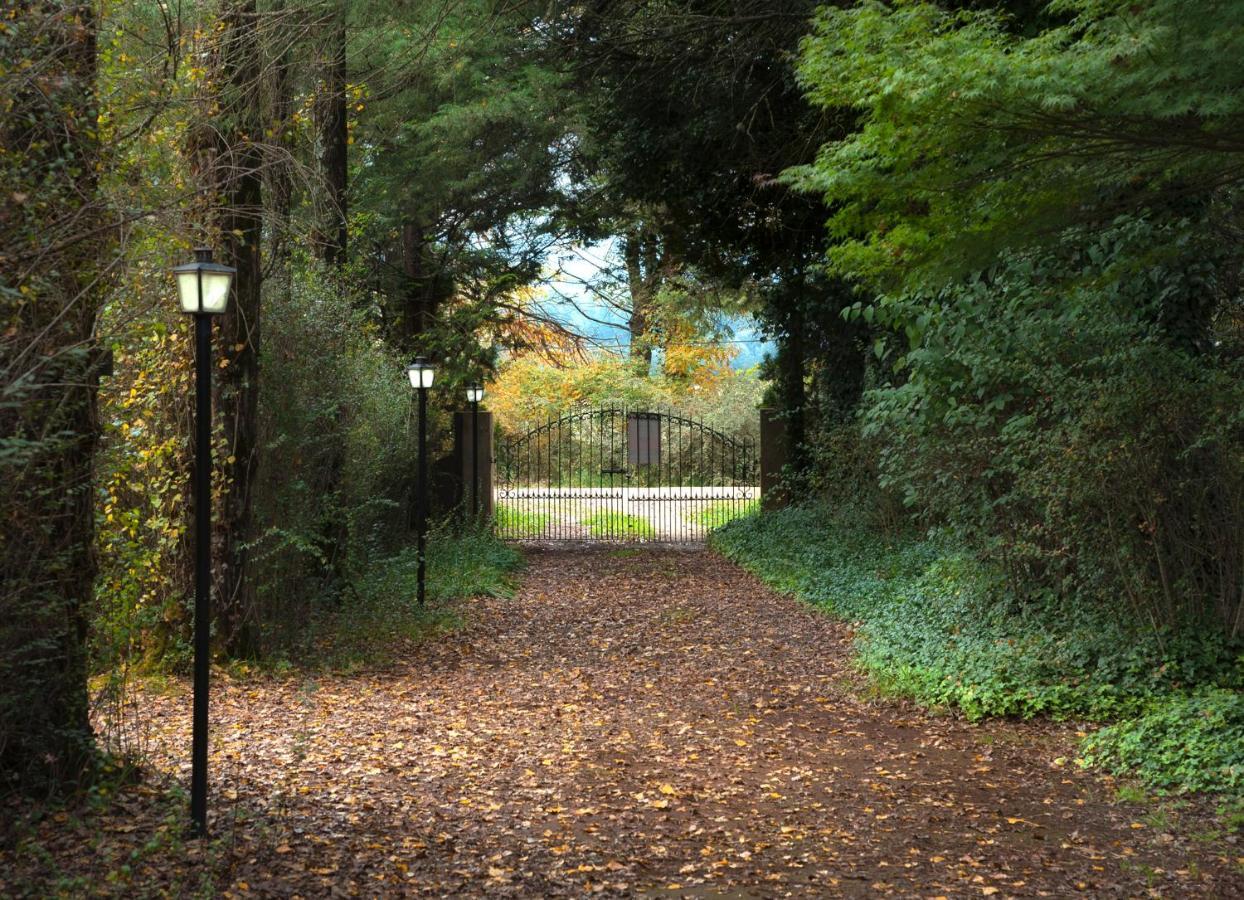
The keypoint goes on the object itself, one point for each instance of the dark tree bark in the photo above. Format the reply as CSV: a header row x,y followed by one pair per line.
x,y
50,253
332,135
645,267
278,183
426,286
792,366
329,241
230,165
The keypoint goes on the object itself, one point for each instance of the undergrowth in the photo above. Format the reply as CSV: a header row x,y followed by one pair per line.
x,y
380,611
937,626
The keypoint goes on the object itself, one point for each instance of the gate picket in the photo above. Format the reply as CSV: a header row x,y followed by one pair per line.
x,y
657,477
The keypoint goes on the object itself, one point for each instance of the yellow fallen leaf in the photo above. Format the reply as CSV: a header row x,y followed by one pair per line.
x,y
667,789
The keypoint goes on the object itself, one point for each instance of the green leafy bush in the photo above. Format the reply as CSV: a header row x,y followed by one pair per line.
x,y
1055,420
332,501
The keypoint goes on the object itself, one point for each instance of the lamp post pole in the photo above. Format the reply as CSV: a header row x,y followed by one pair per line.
x,y
420,373
202,567
421,490
475,459
203,288
475,393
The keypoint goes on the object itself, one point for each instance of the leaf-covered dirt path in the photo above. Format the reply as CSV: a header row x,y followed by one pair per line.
x,y
652,722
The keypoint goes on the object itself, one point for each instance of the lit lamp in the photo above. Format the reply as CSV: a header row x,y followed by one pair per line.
x,y
203,287
475,393
421,374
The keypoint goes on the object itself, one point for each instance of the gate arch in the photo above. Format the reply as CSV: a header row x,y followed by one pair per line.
x,y
621,475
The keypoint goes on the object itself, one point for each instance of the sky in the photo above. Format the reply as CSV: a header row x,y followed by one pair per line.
x,y
568,299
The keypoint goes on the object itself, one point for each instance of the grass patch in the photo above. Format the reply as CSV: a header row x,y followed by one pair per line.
x,y
609,523
513,522
719,513
937,626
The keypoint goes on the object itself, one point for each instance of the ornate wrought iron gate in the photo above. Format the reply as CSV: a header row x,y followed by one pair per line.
x,y
619,475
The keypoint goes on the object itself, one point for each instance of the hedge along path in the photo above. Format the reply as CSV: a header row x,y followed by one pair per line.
x,y
641,722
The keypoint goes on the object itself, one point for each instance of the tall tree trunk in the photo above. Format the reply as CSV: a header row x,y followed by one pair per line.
x,y
329,242
278,183
641,254
50,252
240,176
426,287
332,135
792,370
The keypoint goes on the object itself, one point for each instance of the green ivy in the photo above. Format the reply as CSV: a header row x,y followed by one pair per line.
x,y
935,624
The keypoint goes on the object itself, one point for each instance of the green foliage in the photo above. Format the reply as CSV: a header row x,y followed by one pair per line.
x,y
609,523
514,522
464,97
1052,419
978,132
55,240
938,626
1190,742
335,412
469,562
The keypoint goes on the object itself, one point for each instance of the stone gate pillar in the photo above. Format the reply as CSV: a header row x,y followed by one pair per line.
x,y
773,455
464,444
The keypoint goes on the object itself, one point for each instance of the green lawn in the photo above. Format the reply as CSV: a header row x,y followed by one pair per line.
x,y
608,523
513,522
714,515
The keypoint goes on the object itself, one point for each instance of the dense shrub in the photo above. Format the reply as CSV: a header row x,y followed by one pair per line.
x,y
337,439
332,492
141,611
1068,432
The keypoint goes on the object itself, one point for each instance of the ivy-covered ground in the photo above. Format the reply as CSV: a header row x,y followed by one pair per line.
x,y
933,625
629,722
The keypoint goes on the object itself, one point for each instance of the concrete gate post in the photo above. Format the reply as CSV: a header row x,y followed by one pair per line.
x,y
773,455
464,443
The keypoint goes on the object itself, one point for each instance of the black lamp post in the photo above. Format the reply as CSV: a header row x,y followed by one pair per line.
x,y
475,393
420,373
204,290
